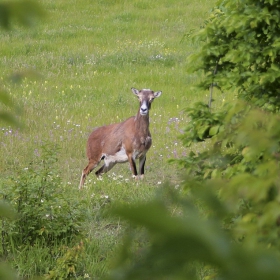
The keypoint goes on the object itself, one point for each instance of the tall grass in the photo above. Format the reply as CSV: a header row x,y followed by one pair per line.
x,y
86,56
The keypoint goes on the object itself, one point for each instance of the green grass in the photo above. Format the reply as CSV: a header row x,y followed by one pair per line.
x,y
88,56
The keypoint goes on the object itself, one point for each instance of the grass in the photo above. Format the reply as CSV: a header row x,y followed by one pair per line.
x,y
87,57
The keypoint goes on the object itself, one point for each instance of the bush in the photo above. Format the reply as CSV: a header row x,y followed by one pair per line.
x,y
45,216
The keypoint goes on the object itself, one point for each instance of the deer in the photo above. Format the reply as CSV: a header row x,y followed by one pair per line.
x,y
122,142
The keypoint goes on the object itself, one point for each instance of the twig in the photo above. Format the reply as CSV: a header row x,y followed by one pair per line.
x,y
212,86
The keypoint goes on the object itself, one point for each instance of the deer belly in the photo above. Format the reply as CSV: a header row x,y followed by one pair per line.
x,y
118,157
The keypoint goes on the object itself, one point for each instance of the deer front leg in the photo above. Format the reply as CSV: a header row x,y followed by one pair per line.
x,y
142,161
132,164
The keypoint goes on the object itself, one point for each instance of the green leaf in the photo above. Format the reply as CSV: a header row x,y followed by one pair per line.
x,y
214,130
203,132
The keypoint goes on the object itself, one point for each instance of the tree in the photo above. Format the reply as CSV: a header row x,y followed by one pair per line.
x,y
241,50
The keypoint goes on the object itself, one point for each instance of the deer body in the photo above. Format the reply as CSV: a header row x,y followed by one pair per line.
x,y
122,142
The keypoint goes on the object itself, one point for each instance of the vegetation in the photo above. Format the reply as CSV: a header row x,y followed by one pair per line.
x,y
221,220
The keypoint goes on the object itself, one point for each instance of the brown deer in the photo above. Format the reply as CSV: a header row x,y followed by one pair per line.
x,y
122,142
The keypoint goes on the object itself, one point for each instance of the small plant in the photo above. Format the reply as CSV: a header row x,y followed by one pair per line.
x,y
66,265
44,216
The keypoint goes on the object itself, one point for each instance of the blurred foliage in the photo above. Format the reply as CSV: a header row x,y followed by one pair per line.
x,y
244,163
180,240
6,272
23,13
7,103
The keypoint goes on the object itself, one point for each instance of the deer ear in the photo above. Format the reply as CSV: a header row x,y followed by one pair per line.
x,y
135,91
157,94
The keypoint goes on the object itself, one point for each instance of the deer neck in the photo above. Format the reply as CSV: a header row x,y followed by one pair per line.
x,y
142,123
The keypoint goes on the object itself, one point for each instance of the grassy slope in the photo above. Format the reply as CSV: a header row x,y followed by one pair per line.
x,y
89,56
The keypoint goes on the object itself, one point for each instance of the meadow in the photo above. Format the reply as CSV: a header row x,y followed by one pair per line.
x,y
74,71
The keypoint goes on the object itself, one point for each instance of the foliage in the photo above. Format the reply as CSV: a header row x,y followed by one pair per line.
x,y
66,265
246,158
6,273
45,215
203,123
241,45
240,51
5,115
25,12
182,239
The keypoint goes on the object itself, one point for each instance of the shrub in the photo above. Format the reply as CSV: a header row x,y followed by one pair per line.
x,y
47,216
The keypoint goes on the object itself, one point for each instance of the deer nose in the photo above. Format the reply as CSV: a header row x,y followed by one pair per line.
x,y
143,110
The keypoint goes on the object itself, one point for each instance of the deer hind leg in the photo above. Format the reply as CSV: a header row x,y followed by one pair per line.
x,y
91,165
108,165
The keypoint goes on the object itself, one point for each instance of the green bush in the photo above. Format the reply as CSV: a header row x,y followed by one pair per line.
x,y
47,216
244,165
